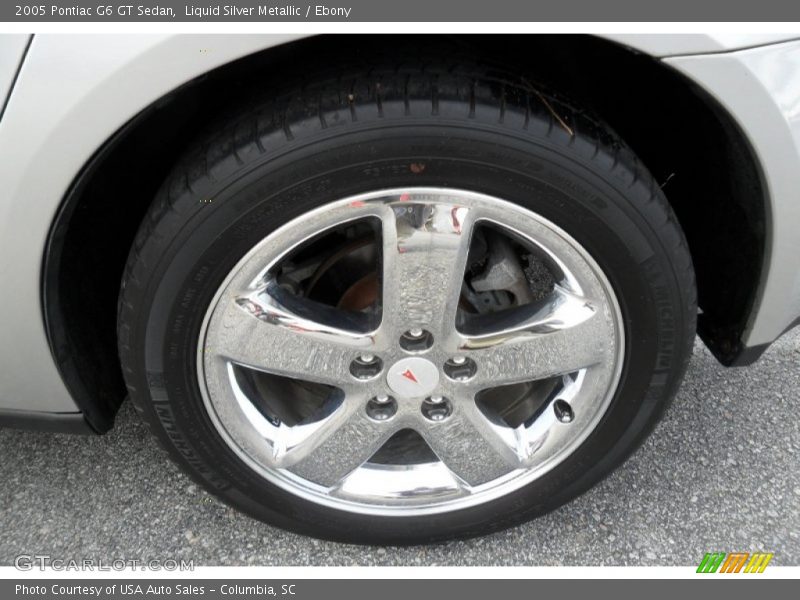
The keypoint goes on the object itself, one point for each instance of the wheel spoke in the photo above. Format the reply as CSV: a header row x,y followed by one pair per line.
x,y
562,335
258,332
469,445
344,443
425,248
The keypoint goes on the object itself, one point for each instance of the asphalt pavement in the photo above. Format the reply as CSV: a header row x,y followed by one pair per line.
x,y
720,473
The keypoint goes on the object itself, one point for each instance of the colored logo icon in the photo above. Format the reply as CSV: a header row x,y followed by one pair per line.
x,y
734,562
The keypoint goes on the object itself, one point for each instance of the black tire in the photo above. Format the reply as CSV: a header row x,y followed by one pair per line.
x,y
278,158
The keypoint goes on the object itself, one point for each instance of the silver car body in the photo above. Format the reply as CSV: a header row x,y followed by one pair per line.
x,y
65,95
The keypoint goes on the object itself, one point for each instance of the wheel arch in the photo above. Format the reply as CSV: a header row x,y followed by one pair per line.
x,y
90,237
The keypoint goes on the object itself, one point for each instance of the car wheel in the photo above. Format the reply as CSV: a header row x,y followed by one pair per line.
x,y
405,306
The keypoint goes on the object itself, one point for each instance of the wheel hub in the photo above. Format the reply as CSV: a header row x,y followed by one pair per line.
x,y
413,377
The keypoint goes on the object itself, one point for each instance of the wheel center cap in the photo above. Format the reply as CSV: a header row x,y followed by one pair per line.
x,y
413,377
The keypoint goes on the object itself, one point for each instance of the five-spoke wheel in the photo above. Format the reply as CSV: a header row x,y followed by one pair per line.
x,y
484,391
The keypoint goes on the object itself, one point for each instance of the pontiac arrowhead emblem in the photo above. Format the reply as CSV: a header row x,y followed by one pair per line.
x,y
412,377
409,375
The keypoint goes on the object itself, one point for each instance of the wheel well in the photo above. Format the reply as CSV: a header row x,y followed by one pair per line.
x,y
691,145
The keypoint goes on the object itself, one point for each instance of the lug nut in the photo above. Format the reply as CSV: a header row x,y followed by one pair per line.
x,y
436,408
416,339
460,368
381,408
366,366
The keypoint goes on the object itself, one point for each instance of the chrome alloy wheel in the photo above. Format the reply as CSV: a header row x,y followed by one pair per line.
x,y
489,399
